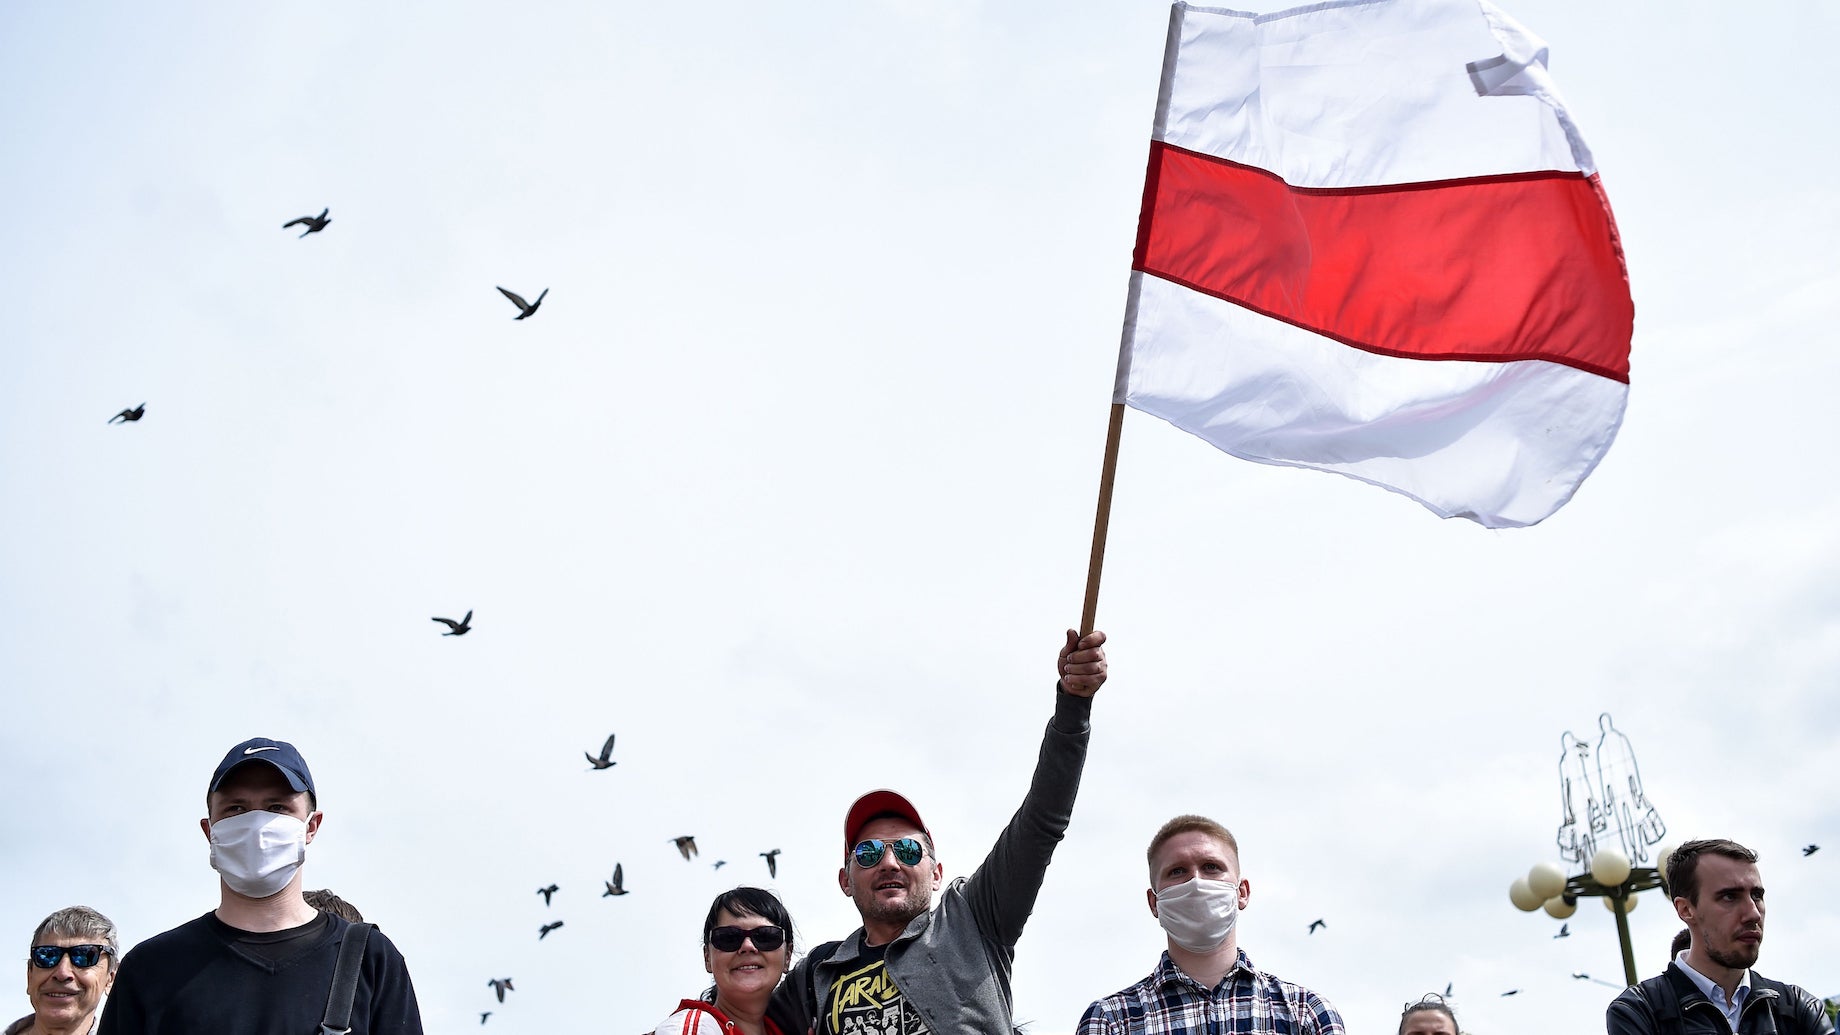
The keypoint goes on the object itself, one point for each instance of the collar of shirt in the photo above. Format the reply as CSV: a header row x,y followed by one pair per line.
x,y
1167,972
1713,992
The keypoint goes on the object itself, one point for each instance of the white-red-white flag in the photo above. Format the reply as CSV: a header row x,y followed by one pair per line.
x,y
1373,243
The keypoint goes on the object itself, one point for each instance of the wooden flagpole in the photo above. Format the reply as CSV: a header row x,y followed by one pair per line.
x,y
1103,519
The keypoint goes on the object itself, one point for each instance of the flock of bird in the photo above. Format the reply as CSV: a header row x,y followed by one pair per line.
x,y
686,844
315,224
616,887
686,847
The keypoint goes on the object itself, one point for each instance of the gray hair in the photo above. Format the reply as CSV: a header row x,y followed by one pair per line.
x,y
81,922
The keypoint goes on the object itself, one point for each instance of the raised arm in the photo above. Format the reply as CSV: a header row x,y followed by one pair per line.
x,y
1003,889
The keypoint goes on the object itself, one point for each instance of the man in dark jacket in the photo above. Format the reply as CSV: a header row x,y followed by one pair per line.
x,y
1710,987
916,968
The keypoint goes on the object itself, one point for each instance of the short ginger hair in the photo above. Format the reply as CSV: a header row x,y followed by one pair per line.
x,y
1185,824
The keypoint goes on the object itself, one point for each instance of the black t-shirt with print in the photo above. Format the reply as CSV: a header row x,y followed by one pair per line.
x,y
865,1001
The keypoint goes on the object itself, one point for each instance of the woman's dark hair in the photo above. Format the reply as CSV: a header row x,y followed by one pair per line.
x,y
750,902
1431,1003
766,905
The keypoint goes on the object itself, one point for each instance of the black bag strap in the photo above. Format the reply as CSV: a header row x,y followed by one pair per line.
x,y
810,994
822,953
345,980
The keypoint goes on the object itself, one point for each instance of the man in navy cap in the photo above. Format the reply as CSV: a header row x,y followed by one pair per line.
x,y
262,961
916,969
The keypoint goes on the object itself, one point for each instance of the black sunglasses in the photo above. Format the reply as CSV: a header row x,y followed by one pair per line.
x,y
82,957
907,851
766,937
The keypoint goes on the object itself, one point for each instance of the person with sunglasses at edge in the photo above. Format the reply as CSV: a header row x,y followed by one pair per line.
x,y
262,962
916,968
747,945
70,969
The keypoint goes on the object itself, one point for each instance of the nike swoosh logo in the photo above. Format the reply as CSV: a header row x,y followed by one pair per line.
x,y
251,751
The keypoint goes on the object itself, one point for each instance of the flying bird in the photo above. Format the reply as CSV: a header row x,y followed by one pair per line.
x,y
483,1015
1314,924
686,845
1447,987
501,986
606,758
719,864
1565,931
1511,991
772,859
616,886
1599,981
459,628
547,892
313,224
529,308
127,416
1806,852
543,932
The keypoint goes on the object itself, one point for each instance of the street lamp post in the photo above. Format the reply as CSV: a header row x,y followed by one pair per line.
x,y
1601,797
1610,878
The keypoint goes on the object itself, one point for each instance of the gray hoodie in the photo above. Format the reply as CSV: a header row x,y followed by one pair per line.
x,y
953,961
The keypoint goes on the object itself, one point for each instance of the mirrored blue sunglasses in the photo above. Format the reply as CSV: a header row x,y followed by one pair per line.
x,y
908,851
82,957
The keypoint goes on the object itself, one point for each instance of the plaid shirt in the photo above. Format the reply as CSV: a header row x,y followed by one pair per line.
x,y
1246,1002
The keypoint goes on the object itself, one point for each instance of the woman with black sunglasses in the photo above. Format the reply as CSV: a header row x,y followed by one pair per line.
x,y
747,948
70,969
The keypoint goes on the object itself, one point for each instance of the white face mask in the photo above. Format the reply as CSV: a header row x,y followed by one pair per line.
x,y
258,852
1198,914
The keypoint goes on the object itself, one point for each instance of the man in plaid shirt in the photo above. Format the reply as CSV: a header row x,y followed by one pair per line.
x,y
1204,983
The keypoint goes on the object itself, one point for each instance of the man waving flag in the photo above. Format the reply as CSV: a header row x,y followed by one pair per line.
x,y
1374,243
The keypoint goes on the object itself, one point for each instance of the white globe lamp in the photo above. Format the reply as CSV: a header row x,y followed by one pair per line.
x,y
1662,855
1609,868
1546,879
1523,897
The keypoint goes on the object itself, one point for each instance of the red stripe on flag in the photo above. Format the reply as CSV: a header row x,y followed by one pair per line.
x,y
1495,268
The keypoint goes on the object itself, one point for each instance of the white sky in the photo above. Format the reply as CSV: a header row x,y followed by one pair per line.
x,y
790,485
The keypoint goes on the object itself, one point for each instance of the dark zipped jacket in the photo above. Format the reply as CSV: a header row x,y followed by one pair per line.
x,y
1671,1004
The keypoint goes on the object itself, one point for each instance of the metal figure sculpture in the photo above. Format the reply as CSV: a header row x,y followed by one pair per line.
x,y
1600,792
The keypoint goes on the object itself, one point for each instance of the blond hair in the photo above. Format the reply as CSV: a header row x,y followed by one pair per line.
x,y
1184,825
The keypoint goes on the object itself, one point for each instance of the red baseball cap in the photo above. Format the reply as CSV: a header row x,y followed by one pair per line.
x,y
876,803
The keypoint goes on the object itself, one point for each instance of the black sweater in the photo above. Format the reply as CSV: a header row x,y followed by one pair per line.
x,y
206,976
